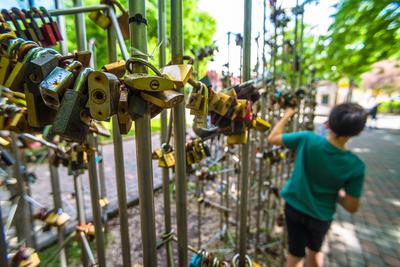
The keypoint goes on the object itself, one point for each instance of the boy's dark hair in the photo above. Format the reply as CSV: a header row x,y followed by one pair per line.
x,y
347,119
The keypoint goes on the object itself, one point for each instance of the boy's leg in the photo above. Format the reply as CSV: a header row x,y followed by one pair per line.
x,y
296,237
314,258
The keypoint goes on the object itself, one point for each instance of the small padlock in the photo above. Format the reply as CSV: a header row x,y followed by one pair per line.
x,y
33,24
145,81
18,30
88,229
167,159
29,32
53,24
124,118
224,103
237,139
117,68
54,85
260,125
179,74
164,99
103,202
26,257
100,19
69,122
239,109
47,31
103,95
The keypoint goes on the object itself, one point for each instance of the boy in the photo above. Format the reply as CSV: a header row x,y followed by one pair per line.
x,y
325,173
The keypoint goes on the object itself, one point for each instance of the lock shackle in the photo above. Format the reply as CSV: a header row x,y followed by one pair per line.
x,y
235,260
47,14
166,148
25,47
31,52
139,61
8,15
6,36
81,80
14,46
39,14
21,16
188,58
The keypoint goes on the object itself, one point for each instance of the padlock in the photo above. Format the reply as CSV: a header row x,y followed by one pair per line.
x,y
237,139
68,122
47,31
83,57
87,229
25,257
214,99
57,218
32,24
53,24
100,19
145,81
17,75
137,106
18,30
179,74
167,159
54,85
195,99
260,125
239,109
124,118
39,114
103,202
164,99
29,32
103,94
224,103
18,122
4,26
117,68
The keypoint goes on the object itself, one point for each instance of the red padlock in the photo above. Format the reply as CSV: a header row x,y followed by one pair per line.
x,y
248,112
47,31
53,24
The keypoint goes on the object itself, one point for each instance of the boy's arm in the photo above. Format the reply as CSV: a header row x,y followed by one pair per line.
x,y
275,137
349,203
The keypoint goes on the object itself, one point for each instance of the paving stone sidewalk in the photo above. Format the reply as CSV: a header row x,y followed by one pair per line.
x,y
371,237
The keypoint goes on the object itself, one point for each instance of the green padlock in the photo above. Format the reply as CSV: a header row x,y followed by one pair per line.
x,y
100,19
68,122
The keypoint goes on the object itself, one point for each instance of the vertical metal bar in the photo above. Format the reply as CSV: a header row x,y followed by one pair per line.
x,y
94,196
55,187
117,29
162,39
179,135
300,82
293,76
102,181
22,217
119,166
245,148
80,28
80,211
143,148
3,244
63,29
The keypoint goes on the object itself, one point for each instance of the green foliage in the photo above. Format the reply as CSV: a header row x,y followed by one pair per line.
x,y
199,27
363,32
389,107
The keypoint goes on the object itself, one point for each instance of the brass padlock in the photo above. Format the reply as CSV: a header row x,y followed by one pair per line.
x,y
239,109
164,99
124,118
100,19
237,139
54,85
26,257
69,122
145,81
167,159
103,95
103,202
260,125
224,103
195,99
117,68
18,123
179,74
57,218
87,229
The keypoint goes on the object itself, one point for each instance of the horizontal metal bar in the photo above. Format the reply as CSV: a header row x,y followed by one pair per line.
x,y
76,10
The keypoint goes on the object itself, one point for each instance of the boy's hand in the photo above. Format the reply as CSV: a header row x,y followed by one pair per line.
x,y
289,112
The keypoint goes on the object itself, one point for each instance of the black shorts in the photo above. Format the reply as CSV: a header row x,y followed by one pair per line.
x,y
304,231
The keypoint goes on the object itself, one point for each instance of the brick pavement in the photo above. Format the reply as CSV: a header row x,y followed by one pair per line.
x,y
371,237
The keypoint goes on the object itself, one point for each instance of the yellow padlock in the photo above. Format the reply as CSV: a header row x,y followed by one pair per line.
x,y
179,74
164,99
237,139
260,125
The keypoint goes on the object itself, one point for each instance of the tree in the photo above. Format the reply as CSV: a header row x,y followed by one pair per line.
x,y
199,28
363,32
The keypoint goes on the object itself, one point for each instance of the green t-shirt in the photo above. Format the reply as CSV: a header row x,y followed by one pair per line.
x,y
321,169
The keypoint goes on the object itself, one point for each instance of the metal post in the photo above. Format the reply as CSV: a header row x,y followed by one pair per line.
x,y
143,147
80,211
179,135
96,210
80,28
55,187
300,82
162,39
245,148
22,216
3,244
119,166
63,29
293,76
102,181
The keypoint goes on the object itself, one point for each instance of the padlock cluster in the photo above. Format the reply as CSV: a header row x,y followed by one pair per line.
x,y
47,34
